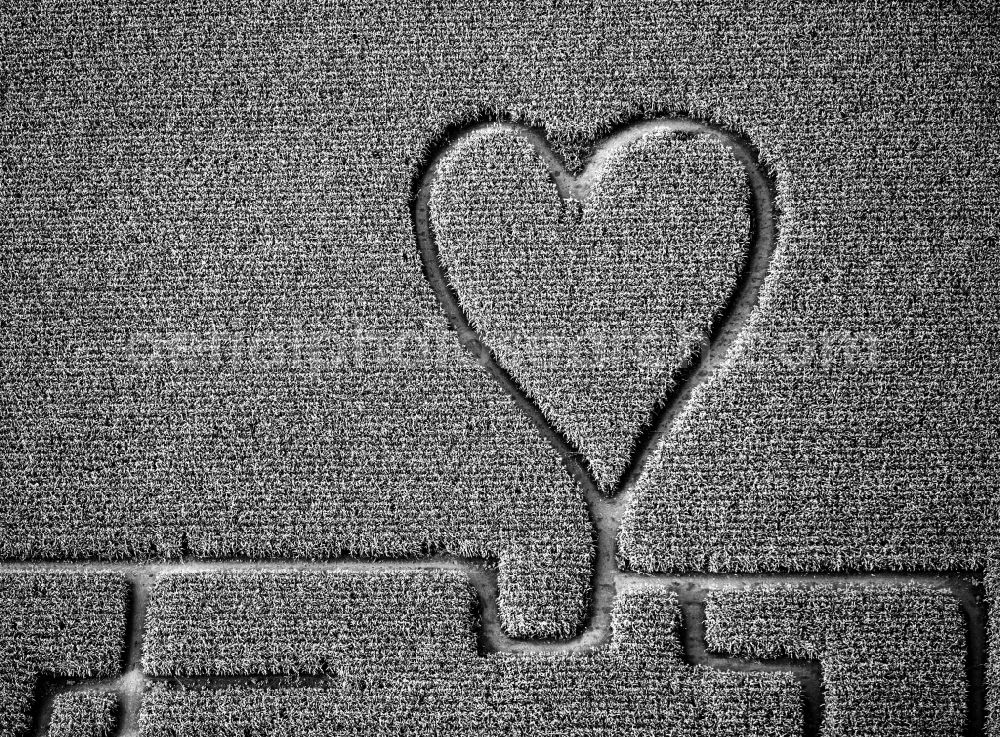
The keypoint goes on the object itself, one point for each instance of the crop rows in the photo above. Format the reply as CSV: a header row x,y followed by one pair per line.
x,y
217,339
355,651
57,624
852,426
88,713
892,658
412,667
253,622
592,300
219,342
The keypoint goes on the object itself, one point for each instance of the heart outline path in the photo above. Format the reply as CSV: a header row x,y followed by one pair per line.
x,y
725,328
606,511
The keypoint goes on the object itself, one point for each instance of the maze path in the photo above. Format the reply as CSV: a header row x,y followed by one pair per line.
x,y
476,636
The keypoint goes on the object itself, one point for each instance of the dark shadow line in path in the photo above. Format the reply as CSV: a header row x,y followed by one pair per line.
x,y
808,673
975,610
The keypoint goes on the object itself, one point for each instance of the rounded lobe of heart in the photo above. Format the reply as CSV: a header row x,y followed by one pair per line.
x,y
593,307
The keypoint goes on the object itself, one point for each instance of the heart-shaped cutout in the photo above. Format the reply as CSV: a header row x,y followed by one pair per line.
x,y
592,292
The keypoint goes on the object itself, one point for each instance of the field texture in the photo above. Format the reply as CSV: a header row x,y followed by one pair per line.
x,y
563,297
55,626
83,714
422,675
529,368
892,658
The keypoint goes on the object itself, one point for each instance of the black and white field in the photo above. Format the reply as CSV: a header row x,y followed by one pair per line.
x,y
547,368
